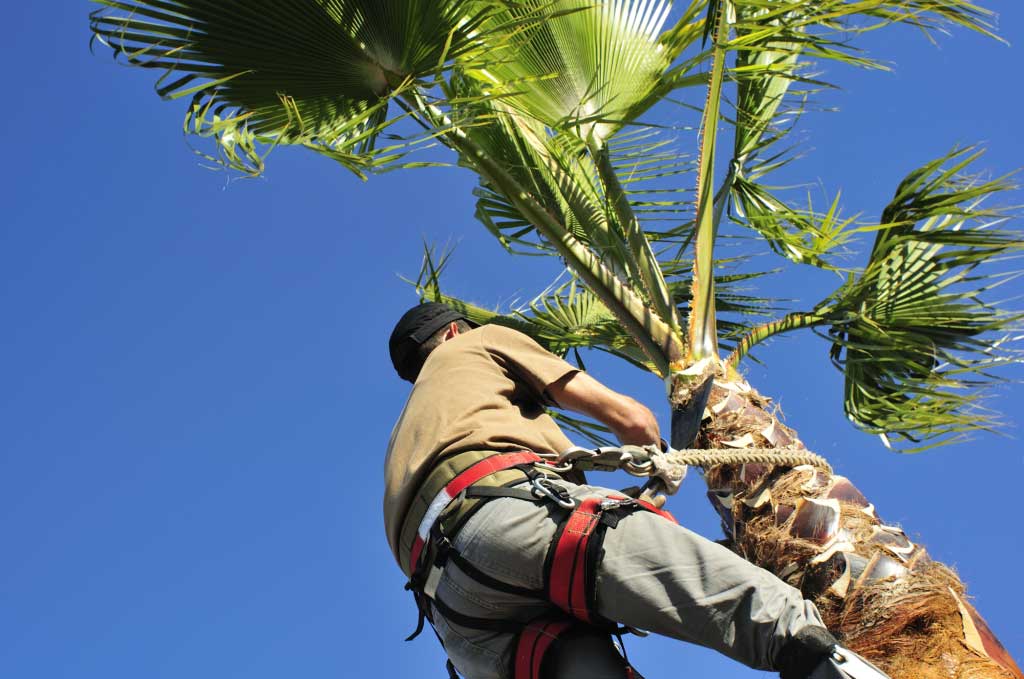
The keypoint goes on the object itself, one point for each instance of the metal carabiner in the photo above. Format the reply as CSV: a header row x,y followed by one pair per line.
x,y
553,466
542,490
645,468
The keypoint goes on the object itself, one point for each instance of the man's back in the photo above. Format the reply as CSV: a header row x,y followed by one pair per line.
x,y
482,391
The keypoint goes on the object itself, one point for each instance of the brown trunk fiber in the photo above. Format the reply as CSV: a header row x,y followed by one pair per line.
x,y
879,593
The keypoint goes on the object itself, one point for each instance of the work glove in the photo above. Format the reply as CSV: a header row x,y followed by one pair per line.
x,y
813,653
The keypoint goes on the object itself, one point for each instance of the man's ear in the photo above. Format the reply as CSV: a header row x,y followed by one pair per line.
x,y
453,330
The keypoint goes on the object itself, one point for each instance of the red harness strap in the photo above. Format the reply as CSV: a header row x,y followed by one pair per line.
x,y
567,579
570,574
570,579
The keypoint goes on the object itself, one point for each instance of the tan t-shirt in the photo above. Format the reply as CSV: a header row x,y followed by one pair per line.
x,y
481,390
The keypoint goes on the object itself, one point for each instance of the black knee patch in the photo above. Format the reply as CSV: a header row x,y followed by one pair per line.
x,y
804,651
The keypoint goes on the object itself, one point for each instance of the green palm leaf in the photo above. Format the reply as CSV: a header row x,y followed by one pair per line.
x,y
774,44
559,176
768,40
589,66
586,214
314,72
915,333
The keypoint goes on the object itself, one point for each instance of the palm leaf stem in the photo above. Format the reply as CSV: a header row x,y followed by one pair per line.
x,y
639,247
703,341
577,188
760,333
653,334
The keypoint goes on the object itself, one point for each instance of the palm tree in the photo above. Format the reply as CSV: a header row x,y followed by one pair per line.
x,y
546,102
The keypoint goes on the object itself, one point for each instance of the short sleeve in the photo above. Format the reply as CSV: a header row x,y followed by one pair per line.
x,y
531,363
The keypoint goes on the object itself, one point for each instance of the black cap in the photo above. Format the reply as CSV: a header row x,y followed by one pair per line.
x,y
415,327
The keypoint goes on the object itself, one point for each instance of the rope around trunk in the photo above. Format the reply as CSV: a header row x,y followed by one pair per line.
x,y
783,457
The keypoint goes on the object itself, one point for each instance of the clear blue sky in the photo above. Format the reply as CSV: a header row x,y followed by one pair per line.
x,y
197,393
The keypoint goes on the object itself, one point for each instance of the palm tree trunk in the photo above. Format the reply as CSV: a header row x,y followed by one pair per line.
x,y
879,592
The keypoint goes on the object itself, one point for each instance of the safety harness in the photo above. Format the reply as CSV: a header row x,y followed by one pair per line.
x,y
570,566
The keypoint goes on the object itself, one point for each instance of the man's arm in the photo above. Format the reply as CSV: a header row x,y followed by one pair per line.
x,y
630,421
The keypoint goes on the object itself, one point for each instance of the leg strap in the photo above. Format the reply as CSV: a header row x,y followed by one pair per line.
x,y
568,565
576,551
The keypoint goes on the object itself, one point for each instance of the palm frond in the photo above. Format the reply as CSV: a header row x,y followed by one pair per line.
x,y
826,29
261,73
588,66
800,234
648,162
765,67
559,175
504,139
788,323
775,44
578,187
916,333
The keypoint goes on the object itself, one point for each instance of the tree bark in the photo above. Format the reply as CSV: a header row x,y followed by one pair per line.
x,y
878,591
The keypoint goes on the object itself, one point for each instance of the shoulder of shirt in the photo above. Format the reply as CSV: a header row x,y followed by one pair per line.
x,y
495,330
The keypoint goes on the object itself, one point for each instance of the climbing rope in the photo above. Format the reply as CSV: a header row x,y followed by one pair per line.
x,y
669,467
782,457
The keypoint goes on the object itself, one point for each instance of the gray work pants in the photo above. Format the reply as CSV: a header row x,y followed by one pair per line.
x,y
655,576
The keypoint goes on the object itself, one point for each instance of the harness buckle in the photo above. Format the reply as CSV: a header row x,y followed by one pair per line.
x,y
542,486
612,503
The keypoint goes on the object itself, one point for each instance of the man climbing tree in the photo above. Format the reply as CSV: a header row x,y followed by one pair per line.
x,y
524,574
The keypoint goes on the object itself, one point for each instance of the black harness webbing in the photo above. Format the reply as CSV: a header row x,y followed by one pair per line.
x,y
486,580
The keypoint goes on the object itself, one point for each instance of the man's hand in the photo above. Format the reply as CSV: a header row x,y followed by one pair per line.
x,y
631,421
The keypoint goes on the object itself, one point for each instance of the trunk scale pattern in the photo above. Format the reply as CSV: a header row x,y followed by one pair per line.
x,y
878,591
